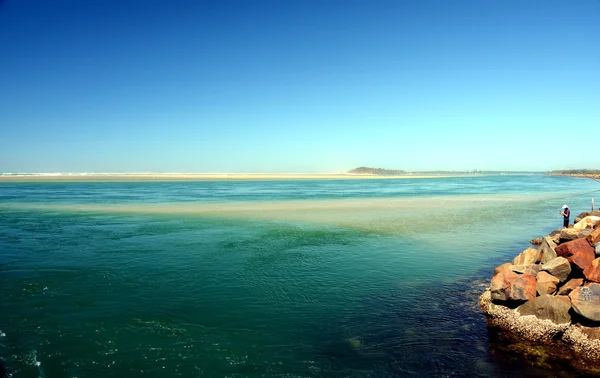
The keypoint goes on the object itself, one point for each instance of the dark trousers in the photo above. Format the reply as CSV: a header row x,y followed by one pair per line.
x,y
566,222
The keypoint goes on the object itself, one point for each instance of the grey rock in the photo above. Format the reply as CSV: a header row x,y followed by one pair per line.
x,y
586,301
547,249
558,267
547,307
568,234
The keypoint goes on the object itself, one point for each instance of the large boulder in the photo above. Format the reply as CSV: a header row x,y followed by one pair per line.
x,y
579,252
532,269
592,272
568,234
528,257
594,237
548,249
597,249
587,222
546,283
587,214
570,285
547,307
586,301
558,267
511,286
502,268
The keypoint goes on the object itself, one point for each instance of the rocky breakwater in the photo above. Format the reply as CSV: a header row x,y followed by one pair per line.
x,y
550,295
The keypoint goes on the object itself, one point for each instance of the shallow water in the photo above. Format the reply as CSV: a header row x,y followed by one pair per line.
x,y
266,278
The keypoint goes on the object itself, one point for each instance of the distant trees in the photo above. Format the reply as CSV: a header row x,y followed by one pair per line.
x,y
576,172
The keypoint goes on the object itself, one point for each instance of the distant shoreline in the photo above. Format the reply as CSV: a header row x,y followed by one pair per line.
x,y
133,177
580,175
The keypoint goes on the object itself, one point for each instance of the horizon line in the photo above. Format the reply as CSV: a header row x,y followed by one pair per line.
x,y
262,173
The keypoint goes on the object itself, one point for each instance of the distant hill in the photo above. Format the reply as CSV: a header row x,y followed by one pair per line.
x,y
376,171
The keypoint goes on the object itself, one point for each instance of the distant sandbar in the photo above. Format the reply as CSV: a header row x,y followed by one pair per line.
x,y
133,177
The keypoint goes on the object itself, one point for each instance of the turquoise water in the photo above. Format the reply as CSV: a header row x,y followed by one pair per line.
x,y
348,278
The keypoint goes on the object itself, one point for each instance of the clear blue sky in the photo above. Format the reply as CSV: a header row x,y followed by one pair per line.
x,y
298,86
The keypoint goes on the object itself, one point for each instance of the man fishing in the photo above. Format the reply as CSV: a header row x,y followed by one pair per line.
x,y
565,213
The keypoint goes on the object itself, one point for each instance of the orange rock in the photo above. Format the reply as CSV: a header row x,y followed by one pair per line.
x,y
532,269
592,272
511,286
570,286
579,252
594,237
502,268
546,283
528,257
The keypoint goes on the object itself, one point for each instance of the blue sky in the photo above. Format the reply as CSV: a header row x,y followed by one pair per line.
x,y
298,86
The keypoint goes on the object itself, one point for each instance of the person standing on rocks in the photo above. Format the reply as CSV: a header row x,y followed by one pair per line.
x,y
565,213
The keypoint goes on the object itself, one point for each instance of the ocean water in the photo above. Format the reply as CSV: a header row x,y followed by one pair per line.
x,y
327,278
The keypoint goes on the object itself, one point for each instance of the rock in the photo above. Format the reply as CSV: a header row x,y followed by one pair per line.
x,y
546,283
547,307
591,333
564,299
502,268
532,269
587,222
536,241
592,272
558,267
355,342
511,286
548,249
579,252
554,236
597,249
528,257
568,234
586,301
570,286
587,214
594,237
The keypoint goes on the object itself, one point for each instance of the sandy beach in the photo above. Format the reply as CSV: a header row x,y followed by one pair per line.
x,y
133,177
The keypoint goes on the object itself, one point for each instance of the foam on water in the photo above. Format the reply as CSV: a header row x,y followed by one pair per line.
x,y
382,215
